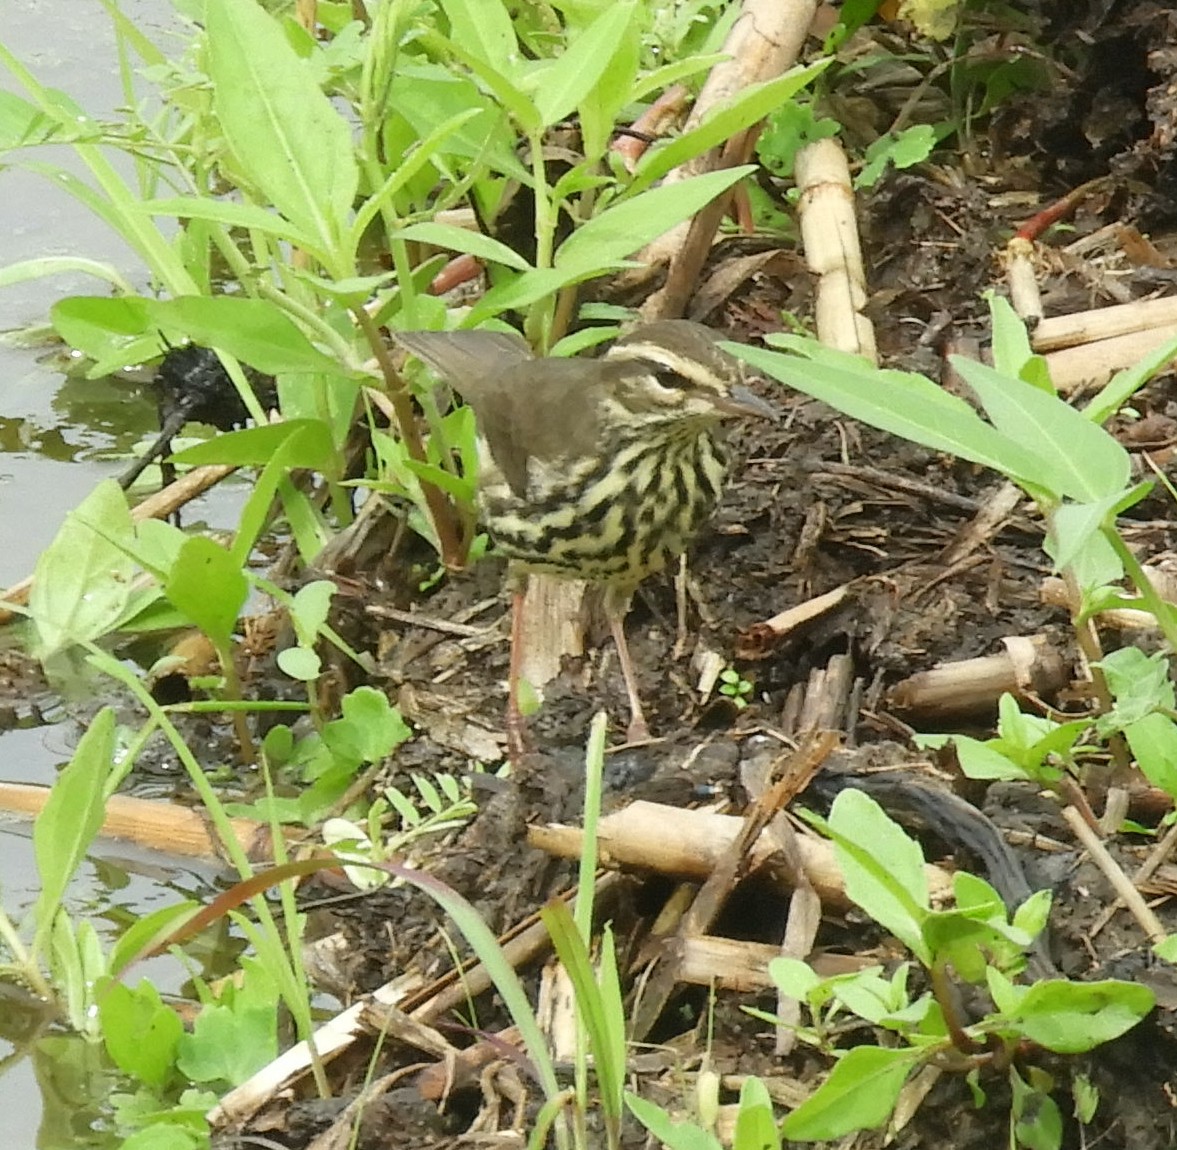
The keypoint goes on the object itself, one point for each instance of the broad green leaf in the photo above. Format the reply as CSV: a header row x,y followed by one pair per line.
x,y
140,1033
207,585
255,331
306,442
484,29
1153,742
284,132
1072,1017
793,977
1074,527
72,816
625,227
859,1094
82,580
756,1127
882,866
902,403
977,760
1139,683
102,327
1011,345
457,239
1080,460
562,85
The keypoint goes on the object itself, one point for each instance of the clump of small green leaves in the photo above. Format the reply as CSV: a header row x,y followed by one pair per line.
x,y
396,820
734,686
974,942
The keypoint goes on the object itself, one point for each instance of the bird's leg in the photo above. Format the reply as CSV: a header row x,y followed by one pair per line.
x,y
516,725
616,607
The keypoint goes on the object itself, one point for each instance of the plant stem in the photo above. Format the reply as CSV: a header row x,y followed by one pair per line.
x,y
441,510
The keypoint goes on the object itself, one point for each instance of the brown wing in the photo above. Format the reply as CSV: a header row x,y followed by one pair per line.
x,y
527,408
466,359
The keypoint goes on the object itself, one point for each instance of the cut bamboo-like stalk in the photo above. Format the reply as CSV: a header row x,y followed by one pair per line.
x,y
973,686
1086,327
829,234
687,844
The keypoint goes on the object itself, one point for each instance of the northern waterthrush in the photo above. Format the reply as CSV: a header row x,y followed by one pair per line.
x,y
596,469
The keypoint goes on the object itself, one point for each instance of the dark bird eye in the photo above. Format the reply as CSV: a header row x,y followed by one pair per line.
x,y
669,378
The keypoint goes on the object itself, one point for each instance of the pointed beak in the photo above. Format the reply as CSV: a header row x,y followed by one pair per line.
x,y
740,401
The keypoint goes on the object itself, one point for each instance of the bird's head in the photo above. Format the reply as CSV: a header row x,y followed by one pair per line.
x,y
673,370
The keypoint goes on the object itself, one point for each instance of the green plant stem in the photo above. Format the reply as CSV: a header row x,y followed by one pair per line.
x,y
441,510
1160,610
1088,642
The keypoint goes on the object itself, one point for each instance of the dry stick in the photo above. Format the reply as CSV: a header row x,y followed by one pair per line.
x,y
1029,664
731,868
1123,885
158,506
1087,327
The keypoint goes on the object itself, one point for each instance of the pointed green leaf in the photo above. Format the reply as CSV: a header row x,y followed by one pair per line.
x,y
285,134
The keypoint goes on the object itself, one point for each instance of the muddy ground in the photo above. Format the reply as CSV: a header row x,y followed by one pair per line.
x,y
816,503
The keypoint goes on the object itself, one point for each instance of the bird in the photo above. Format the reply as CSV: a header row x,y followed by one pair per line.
x,y
601,469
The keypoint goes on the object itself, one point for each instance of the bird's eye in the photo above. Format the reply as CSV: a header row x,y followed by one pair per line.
x,y
670,379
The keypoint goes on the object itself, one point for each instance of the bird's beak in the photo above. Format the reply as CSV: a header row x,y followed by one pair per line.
x,y
740,401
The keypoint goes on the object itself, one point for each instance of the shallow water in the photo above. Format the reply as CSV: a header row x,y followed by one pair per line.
x,y
58,437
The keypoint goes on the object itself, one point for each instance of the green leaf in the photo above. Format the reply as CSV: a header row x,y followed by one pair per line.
x,y
72,816
1125,384
882,866
234,215
285,134
207,585
1011,344
254,331
622,228
977,760
304,443
106,329
1153,742
1081,461
1073,1017
725,120
82,580
63,265
756,1127
859,1094
675,1135
484,29
141,1034
370,729
457,239
902,403
562,85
